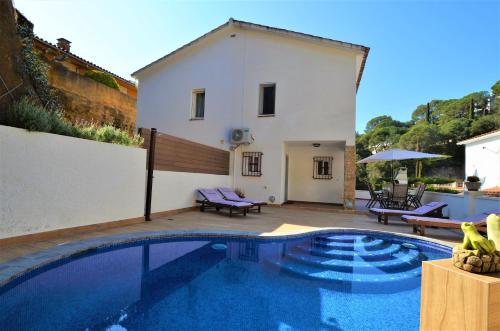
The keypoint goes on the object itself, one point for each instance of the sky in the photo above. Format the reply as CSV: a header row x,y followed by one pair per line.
x,y
419,50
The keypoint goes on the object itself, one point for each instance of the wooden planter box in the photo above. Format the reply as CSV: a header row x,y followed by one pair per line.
x,y
454,299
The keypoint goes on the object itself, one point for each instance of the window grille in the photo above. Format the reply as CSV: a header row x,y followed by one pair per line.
x,y
252,164
322,167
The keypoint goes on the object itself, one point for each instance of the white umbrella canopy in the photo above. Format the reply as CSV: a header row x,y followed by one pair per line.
x,y
398,154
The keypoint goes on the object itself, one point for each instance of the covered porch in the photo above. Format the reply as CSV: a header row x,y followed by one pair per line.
x,y
319,172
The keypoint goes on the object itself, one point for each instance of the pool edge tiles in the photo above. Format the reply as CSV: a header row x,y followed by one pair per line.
x,y
17,268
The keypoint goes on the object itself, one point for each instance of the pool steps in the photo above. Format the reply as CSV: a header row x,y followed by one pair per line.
x,y
362,262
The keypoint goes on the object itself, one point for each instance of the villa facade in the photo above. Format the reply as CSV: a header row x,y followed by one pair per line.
x,y
283,103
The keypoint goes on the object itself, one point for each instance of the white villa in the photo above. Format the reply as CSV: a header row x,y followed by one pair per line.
x,y
283,103
482,158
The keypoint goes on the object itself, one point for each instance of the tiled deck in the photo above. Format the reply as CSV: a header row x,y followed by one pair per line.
x,y
272,221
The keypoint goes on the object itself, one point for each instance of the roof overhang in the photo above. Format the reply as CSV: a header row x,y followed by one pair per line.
x,y
362,50
480,137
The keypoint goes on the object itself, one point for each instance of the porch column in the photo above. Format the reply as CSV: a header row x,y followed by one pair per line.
x,y
349,177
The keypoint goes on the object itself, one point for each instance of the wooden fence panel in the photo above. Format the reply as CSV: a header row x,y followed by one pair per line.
x,y
177,154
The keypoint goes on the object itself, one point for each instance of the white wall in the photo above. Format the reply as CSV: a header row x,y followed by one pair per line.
x,y
50,182
315,97
463,205
482,158
302,186
176,190
459,205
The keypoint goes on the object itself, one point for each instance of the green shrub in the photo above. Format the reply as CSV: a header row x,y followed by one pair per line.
x,y
27,114
110,134
102,77
473,179
430,180
442,190
37,70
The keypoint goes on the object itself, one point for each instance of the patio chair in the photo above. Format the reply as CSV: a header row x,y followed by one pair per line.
x,y
414,200
230,195
419,223
398,198
213,199
375,197
432,208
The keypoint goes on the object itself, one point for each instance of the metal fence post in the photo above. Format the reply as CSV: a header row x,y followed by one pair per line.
x,y
149,185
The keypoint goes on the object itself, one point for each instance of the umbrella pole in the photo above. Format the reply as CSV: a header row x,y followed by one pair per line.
x,y
392,171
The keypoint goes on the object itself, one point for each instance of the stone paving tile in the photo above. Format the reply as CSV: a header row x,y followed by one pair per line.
x,y
272,222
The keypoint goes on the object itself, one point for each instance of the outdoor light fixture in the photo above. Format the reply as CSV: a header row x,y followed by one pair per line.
x,y
316,144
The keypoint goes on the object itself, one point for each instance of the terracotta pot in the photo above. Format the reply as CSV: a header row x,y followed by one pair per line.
x,y
473,186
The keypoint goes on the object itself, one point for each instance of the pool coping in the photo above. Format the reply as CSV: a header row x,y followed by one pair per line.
x,y
18,267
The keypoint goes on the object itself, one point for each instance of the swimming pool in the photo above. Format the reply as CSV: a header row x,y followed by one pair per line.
x,y
331,281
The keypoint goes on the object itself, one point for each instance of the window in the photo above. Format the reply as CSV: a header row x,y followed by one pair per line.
x,y
198,104
322,167
252,164
267,99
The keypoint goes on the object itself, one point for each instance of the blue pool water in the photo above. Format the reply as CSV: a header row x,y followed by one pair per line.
x,y
337,281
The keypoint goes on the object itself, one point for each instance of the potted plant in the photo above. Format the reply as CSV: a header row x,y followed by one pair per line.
x,y
473,183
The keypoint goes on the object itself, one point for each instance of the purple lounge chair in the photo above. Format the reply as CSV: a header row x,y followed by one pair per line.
x,y
213,199
230,195
419,223
429,209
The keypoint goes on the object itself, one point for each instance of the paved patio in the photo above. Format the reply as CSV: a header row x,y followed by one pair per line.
x,y
272,221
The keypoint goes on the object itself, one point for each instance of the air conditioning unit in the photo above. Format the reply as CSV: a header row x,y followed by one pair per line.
x,y
241,136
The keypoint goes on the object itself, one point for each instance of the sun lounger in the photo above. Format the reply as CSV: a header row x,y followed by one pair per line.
x,y
213,199
230,195
429,209
419,222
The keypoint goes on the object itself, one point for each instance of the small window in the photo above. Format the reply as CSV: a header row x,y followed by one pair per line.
x,y
322,167
198,104
267,99
252,164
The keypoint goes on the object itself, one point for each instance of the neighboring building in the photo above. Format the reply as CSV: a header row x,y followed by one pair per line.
x,y
296,93
84,99
482,158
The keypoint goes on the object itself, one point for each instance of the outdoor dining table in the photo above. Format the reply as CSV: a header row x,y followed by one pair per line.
x,y
387,193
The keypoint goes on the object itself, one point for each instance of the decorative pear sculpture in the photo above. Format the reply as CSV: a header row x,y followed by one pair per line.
x,y
493,229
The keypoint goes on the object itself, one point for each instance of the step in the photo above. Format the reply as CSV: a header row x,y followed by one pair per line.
x,y
402,261
344,238
371,245
380,254
387,283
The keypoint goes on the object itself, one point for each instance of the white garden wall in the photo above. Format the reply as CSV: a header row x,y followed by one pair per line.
x,y
459,205
50,182
175,190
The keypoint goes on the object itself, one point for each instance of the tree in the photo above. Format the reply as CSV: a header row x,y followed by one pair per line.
x,y
426,113
378,121
383,138
495,89
485,124
455,130
420,138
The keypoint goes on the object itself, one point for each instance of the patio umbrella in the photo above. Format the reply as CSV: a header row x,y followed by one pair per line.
x,y
396,155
